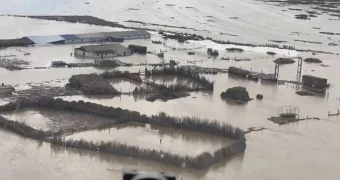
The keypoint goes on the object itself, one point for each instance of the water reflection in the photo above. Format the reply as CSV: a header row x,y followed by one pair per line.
x,y
121,163
158,138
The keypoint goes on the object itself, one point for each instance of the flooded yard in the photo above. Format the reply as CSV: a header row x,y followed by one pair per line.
x,y
302,150
156,137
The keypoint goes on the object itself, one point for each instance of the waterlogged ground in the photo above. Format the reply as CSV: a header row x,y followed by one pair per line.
x,y
303,150
163,139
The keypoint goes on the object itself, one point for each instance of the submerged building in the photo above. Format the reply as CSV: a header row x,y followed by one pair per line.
x,y
6,89
114,36
102,51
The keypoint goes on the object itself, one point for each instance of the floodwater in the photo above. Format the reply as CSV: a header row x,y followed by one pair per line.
x,y
173,80
159,138
124,84
303,150
56,120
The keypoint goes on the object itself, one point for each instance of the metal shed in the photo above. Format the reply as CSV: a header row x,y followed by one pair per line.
x,y
128,34
45,39
91,37
70,38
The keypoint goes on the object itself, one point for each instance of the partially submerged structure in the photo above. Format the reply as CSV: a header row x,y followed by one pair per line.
x,y
115,36
102,51
138,49
6,89
24,41
314,81
238,72
91,84
288,111
104,62
58,64
284,61
238,94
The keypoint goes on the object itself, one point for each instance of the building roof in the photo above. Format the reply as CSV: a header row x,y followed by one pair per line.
x,y
45,39
118,48
90,35
125,33
25,40
104,52
69,37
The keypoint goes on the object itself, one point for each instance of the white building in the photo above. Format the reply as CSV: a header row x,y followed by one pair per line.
x,y
102,51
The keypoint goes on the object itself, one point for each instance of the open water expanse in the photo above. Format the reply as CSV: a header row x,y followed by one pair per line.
x,y
303,150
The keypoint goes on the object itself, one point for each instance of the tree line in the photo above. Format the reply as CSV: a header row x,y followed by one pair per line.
x,y
182,72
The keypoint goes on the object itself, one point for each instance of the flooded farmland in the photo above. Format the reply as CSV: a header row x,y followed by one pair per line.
x,y
158,138
56,120
301,150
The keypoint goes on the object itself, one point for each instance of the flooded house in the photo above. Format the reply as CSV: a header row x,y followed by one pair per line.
x,y
58,64
102,51
138,49
314,81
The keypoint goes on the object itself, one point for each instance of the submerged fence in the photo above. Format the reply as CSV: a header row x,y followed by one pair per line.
x,y
187,123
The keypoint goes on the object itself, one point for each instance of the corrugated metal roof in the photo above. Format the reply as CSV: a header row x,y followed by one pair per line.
x,y
118,48
69,37
124,33
90,35
45,39
104,52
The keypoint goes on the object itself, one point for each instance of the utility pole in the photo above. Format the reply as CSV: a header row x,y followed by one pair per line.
x,y
276,72
299,69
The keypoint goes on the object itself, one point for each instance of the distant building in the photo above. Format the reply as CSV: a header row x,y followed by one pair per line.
x,y
138,49
105,62
46,39
91,37
115,36
314,81
102,51
58,64
126,35
70,38
6,89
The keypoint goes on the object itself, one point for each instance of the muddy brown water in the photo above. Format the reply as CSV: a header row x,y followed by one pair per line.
x,y
55,120
159,138
303,150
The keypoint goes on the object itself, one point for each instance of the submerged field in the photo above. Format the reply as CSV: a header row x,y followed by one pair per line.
x,y
56,120
158,138
306,149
